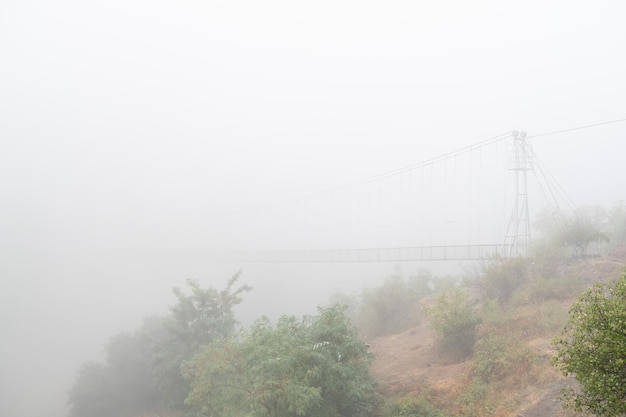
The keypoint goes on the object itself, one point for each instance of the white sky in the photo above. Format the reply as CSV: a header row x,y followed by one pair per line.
x,y
124,124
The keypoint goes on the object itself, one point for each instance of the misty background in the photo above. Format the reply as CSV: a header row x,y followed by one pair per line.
x,y
128,128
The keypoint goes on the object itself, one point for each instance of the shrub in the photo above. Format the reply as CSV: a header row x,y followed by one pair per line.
x,y
499,357
499,277
454,320
475,400
547,257
387,309
411,407
592,349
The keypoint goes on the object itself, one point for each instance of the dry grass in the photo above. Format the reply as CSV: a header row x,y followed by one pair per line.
x,y
408,364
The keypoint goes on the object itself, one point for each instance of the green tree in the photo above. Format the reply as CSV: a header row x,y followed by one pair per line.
x,y
94,393
128,356
314,366
198,318
500,277
454,320
617,223
122,385
592,348
580,229
390,307
579,233
141,370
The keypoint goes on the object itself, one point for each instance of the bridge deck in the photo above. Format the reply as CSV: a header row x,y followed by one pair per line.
x,y
403,254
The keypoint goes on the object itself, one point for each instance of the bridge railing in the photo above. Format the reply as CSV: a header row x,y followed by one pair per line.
x,y
400,254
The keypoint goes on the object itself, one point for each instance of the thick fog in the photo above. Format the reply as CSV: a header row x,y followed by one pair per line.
x,y
129,129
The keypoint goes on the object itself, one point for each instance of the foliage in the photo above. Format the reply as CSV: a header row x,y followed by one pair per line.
x,y
314,366
454,320
393,306
123,385
387,309
423,282
198,318
205,314
579,233
475,399
592,348
617,223
128,356
546,258
578,230
442,283
499,357
142,369
500,277
411,407
502,362
350,303
538,289
94,393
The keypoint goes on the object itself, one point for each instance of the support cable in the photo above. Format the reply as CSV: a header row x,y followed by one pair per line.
x,y
578,128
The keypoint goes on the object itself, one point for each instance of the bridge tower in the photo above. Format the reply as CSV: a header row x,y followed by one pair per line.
x,y
520,161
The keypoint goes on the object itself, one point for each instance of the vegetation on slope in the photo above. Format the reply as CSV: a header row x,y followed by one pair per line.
x,y
592,349
479,345
511,311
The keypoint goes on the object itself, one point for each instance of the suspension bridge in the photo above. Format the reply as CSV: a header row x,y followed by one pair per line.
x,y
467,204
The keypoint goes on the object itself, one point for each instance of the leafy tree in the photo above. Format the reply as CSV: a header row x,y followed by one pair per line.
x,y
579,233
578,230
128,356
314,366
141,370
350,302
94,394
391,307
592,348
198,318
548,223
423,282
454,320
499,277
205,314
617,223
122,385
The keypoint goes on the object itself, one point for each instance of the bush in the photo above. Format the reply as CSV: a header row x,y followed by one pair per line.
x,y
499,357
314,366
499,278
454,320
592,348
411,408
123,385
475,400
546,259
388,309
538,290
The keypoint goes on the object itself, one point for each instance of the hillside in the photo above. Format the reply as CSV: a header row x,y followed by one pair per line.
x,y
505,371
411,365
